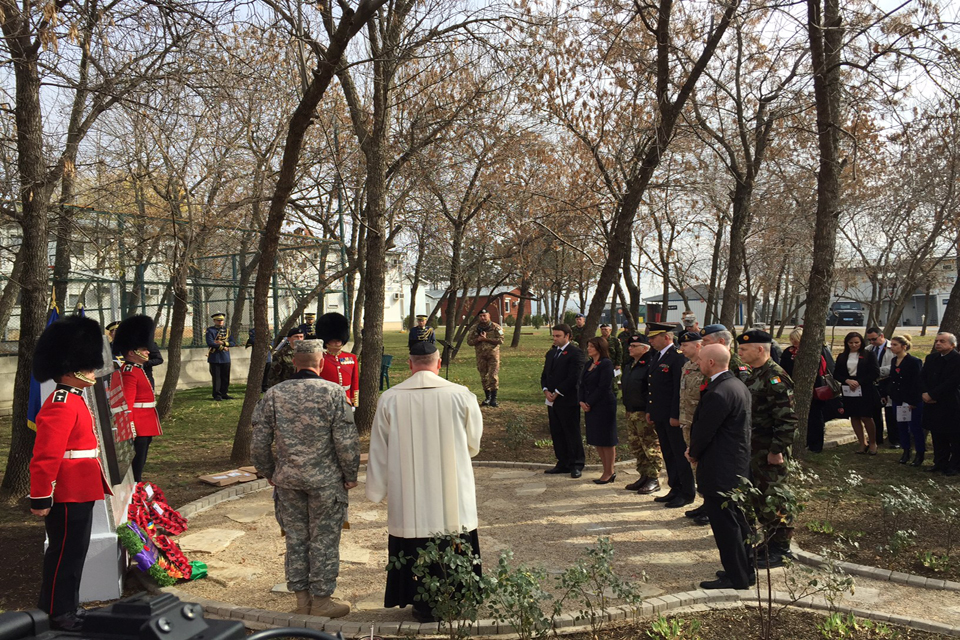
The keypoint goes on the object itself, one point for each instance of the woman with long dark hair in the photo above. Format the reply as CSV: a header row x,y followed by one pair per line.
x,y
857,369
905,392
600,406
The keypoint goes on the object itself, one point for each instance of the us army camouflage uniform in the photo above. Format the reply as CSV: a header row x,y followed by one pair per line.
x,y
774,422
690,380
309,423
282,366
488,354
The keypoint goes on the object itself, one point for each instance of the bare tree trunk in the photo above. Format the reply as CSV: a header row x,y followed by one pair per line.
x,y
950,322
633,287
11,291
174,357
714,272
825,32
739,226
522,311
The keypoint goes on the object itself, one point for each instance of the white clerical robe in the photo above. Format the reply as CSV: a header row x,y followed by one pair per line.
x,y
425,431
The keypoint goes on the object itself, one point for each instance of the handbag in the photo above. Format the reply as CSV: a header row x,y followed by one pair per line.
x,y
829,390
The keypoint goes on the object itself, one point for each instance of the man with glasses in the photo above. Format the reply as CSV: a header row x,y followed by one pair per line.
x,y
880,347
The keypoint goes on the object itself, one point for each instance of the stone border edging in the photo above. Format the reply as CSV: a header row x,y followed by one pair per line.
x,y
876,573
229,493
261,618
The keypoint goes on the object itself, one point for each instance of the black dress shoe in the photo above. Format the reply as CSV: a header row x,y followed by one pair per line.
x,y
667,498
228,397
67,622
557,469
702,520
693,513
607,481
905,458
648,487
720,583
217,399
576,473
723,574
678,502
633,486
773,559
918,461
935,469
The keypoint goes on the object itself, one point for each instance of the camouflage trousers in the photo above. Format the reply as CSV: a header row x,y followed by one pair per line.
x,y
313,522
777,527
644,444
488,364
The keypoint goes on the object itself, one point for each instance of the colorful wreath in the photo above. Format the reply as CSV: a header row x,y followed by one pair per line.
x,y
146,537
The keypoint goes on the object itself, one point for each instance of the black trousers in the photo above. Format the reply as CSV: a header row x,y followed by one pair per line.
x,y
68,531
815,426
567,441
141,444
879,414
732,534
220,372
679,473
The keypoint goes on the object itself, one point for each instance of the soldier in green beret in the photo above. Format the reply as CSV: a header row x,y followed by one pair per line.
x,y
774,423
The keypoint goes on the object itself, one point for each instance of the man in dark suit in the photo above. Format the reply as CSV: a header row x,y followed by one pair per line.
x,y
663,412
720,445
559,380
940,384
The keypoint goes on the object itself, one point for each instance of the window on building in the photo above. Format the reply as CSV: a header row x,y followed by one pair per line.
x,y
506,305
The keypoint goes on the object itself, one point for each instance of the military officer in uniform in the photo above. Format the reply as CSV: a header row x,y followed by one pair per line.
x,y
578,337
133,340
773,424
111,332
643,437
421,333
338,365
281,365
691,379
306,444
65,474
663,412
219,341
616,353
719,334
486,338
309,326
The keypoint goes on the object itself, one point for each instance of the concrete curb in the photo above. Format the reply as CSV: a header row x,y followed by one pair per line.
x,y
875,573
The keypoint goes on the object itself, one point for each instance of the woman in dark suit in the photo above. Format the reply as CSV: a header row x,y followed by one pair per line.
x,y
857,369
904,385
600,406
816,423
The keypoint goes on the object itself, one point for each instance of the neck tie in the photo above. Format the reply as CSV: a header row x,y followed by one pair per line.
x,y
880,354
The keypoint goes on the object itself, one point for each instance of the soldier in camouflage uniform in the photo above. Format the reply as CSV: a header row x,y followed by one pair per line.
x,y
577,336
486,338
643,437
774,422
691,380
281,367
719,334
310,423
616,353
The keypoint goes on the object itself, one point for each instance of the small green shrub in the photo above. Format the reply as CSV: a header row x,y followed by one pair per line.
x,y
516,596
837,626
517,432
674,629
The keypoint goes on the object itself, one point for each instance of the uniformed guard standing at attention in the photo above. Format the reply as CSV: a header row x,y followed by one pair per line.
x,y
339,366
281,365
421,333
579,322
771,440
306,444
219,341
616,354
719,334
133,340
309,326
486,340
643,437
663,411
65,473
691,380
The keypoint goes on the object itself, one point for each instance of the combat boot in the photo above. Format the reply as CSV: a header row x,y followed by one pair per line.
x,y
303,602
493,399
486,401
327,608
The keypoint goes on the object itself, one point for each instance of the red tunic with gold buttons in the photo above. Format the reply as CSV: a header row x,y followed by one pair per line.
x,y
343,369
65,466
138,392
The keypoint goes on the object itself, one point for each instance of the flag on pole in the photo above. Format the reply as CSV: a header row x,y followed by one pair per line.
x,y
34,403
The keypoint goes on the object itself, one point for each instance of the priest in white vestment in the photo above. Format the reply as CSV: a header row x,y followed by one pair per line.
x,y
424,434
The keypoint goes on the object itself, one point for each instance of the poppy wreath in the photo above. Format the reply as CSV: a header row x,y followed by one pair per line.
x,y
179,565
150,511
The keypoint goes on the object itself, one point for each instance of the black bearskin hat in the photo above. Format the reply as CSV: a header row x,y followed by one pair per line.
x,y
136,332
333,326
68,345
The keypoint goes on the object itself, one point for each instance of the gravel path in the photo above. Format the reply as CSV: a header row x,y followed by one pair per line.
x,y
546,521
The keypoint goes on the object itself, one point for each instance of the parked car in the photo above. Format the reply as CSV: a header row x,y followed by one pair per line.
x,y
846,313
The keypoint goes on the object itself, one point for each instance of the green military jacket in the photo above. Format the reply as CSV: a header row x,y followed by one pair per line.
x,y
774,418
616,352
281,368
738,367
690,380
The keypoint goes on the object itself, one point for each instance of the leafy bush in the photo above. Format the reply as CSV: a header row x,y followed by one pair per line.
x,y
517,431
674,629
515,598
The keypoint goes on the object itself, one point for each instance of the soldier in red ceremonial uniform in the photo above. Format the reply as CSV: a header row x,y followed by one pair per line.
x,y
338,366
65,473
133,339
